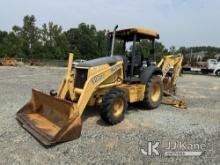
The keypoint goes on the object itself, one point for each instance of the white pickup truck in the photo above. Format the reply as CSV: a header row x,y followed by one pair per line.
x,y
212,66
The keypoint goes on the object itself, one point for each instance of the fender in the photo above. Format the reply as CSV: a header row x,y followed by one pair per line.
x,y
216,70
147,73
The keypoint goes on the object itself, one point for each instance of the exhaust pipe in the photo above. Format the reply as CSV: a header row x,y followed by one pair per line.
x,y
113,40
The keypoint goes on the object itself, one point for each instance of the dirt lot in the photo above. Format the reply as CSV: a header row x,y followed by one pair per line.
x,y
120,144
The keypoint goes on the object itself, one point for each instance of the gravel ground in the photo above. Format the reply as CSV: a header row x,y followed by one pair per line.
x,y
119,144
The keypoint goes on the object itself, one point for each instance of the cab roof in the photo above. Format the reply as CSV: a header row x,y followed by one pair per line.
x,y
142,33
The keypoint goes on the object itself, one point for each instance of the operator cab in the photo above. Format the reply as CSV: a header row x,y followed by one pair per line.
x,y
134,63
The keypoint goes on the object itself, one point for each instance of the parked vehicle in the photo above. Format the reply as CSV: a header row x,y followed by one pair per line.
x,y
211,66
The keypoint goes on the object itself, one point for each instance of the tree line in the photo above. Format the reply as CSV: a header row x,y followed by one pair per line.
x,y
50,41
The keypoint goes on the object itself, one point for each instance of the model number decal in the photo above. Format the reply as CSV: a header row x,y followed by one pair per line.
x,y
97,78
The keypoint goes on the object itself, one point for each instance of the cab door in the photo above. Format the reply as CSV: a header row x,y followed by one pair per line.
x,y
212,63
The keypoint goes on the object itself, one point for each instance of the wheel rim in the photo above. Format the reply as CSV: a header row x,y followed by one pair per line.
x,y
218,73
118,107
155,94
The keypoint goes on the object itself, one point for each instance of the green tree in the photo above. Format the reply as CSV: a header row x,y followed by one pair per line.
x,y
102,43
10,45
160,51
118,47
87,41
182,50
54,42
30,36
145,46
51,42
76,52
3,35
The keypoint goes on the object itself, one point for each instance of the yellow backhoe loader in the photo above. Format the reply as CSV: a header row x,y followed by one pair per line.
x,y
112,82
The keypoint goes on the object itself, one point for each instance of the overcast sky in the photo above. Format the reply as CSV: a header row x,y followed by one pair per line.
x,y
179,22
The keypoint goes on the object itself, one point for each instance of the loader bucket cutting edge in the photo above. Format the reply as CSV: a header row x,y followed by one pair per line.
x,y
50,119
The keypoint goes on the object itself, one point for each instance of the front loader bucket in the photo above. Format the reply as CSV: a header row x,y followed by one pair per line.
x,y
50,119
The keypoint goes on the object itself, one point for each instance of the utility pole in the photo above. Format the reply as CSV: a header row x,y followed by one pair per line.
x,y
191,55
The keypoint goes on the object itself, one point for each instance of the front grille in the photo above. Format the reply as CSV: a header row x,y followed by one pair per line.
x,y
81,77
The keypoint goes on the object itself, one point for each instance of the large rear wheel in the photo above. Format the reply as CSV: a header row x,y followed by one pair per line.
x,y
114,105
153,93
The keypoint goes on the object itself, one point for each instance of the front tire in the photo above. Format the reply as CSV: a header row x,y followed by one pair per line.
x,y
153,93
114,106
217,73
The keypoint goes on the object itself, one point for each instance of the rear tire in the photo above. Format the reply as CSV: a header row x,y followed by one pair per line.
x,y
217,73
114,106
153,93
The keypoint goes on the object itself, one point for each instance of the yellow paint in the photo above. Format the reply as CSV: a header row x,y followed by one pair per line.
x,y
142,31
155,94
171,63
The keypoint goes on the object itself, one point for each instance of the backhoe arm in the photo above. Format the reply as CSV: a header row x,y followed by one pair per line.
x,y
171,63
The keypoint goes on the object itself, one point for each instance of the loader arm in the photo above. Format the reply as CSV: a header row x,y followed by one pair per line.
x,y
171,67
66,86
92,83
